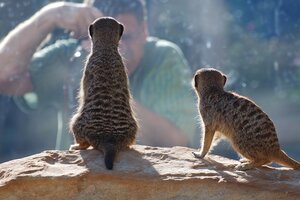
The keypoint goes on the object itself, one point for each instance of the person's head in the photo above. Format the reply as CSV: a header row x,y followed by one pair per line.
x,y
132,14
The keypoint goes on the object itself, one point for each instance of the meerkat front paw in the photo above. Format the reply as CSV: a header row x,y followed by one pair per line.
x,y
198,154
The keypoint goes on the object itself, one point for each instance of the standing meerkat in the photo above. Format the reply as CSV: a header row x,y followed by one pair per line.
x,y
104,118
249,130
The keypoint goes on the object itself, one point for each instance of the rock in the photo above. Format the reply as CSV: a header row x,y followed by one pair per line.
x,y
141,173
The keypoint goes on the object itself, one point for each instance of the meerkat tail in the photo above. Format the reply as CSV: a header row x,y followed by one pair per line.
x,y
283,159
109,155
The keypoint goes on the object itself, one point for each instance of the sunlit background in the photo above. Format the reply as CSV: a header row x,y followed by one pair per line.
x,y
255,42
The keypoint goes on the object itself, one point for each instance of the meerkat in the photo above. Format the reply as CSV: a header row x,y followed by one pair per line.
x,y
250,131
104,118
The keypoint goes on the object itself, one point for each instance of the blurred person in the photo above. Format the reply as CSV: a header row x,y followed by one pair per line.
x,y
46,80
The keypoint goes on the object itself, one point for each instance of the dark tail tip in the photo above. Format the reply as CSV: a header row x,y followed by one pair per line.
x,y
109,156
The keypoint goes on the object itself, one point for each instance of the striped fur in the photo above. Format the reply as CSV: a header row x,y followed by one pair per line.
x,y
104,118
249,129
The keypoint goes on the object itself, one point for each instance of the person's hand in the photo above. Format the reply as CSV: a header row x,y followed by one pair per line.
x,y
74,17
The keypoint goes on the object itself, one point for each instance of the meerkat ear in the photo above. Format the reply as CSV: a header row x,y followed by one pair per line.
x,y
91,30
121,30
225,79
195,81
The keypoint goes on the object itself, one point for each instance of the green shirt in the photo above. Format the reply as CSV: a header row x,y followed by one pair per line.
x,y
161,83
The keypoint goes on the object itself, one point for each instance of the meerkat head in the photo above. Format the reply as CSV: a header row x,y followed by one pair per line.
x,y
208,77
106,30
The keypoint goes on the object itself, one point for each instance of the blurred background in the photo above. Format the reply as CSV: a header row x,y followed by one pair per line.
x,y
255,42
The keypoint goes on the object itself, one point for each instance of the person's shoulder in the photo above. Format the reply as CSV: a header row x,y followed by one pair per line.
x,y
158,43
161,48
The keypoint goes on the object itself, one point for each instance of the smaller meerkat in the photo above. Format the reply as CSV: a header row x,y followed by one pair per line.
x,y
250,131
104,118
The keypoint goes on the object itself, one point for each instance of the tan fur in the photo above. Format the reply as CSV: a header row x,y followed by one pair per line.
x,y
104,118
249,130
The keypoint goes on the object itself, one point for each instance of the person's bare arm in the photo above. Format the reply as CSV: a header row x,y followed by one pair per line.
x,y
155,130
17,48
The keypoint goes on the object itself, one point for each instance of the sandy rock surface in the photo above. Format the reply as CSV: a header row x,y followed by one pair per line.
x,y
141,173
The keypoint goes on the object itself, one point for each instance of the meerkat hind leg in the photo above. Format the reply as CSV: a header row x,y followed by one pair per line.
x,y
249,164
79,146
243,160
